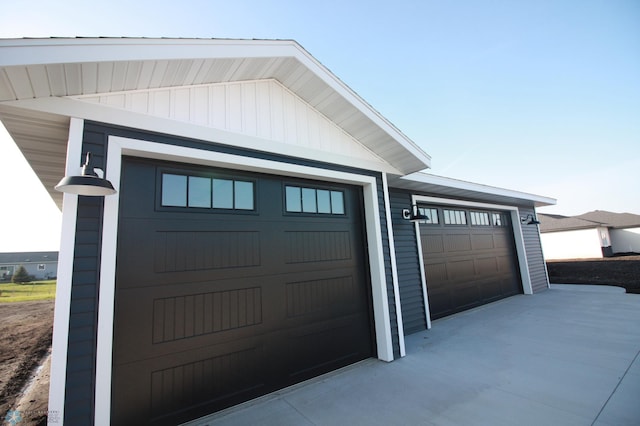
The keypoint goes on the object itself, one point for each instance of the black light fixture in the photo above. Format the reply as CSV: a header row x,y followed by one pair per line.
x,y
91,182
529,220
414,214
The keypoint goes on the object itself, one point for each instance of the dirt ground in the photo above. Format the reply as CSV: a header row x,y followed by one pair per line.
x,y
25,343
622,271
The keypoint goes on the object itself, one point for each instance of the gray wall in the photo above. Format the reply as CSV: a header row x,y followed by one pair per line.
x,y
409,275
535,258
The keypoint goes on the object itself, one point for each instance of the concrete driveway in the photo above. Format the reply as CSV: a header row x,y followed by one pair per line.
x,y
567,356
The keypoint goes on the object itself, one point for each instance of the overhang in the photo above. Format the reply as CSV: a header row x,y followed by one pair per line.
x,y
40,69
425,183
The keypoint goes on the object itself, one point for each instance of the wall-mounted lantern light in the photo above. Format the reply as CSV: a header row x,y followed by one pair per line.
x,y
529,220
414,214
91,182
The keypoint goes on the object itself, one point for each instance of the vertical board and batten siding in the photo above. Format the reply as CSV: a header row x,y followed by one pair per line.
x,y
409,275
81,356
264,109
81,352
535,257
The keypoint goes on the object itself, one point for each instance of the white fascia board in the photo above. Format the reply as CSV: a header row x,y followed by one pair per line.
x,y
341,88
104,114
79,50
430,179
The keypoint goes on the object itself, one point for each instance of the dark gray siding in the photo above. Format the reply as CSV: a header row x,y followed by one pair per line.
x,y
81,357
535,258
409,275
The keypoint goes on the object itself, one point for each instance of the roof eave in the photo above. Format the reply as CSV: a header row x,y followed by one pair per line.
x,y
430,183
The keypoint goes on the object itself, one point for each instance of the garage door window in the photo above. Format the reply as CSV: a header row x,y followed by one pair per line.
x,y
205,192
479,218
312,200
454,217
499,219
431,215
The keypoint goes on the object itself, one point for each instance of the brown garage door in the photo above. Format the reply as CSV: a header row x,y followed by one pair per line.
x,y
469,258
227,290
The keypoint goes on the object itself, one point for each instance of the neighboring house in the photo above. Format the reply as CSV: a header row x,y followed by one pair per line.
x,y
260,235
591,235
42,265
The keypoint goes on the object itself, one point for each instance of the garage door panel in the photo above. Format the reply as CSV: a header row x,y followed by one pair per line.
x,y
461,270
487,266
320,297
325,339
466,296
205,250
456,242
174,324
436,274
433,245
157,388
482,242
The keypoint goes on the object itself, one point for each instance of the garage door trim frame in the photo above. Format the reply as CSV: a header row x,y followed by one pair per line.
x,y
517,233
119,146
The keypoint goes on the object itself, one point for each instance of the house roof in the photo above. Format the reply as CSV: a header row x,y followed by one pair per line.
x,y
594,219
550,223
458,189
28,257
38,77
611,219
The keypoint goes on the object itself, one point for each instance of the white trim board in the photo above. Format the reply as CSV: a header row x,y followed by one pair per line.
x,y
119,146
62,310
521,252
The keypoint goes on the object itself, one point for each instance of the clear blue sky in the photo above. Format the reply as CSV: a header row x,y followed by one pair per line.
x,y
537,96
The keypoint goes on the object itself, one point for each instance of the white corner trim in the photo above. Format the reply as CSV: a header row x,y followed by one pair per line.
x,y
525,276
394,266
62,310
119,146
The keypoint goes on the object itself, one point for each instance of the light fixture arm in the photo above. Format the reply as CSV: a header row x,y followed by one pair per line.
x,y
91,182
414,214
529,220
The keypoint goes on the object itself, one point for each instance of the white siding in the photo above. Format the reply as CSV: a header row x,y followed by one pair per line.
x,y
625,240
262,108
578,244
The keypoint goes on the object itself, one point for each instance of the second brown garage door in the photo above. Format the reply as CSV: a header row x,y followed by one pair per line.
x,y
469,258
230,285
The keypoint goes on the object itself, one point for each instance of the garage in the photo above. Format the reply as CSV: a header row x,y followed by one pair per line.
x,y
230,285
469,258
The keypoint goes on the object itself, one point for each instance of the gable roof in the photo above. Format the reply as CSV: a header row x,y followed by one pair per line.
x,y
594,219
28,257
39,77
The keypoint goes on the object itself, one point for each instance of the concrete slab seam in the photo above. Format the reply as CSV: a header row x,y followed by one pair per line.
x,y
616,388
